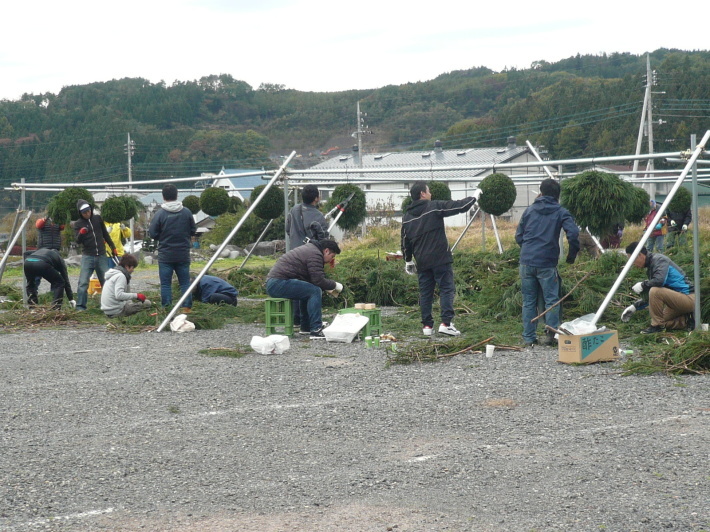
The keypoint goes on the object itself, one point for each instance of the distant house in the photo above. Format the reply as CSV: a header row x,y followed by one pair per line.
x,y
392,193
240,187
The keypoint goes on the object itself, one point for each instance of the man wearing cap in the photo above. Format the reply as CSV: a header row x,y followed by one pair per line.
x,y
92,236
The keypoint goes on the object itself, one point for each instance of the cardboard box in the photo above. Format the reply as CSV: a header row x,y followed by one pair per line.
x,y
588,348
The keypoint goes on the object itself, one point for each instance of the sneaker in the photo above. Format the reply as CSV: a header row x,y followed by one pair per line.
x,y
548,340
318,335
653,329
690,321
185,310
427,330
529,343
449,330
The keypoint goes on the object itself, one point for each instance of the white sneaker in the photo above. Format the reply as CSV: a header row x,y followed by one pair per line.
x,y
449,330
428,331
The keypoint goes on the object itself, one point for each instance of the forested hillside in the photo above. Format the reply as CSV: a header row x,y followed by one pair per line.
x,y
581,106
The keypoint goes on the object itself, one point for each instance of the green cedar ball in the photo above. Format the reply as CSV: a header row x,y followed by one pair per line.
x,y
356,210
234,204
132,205
681,201
192,203
214,201
439,191
597,200
638,206
271,205
113,210
499,194
63,205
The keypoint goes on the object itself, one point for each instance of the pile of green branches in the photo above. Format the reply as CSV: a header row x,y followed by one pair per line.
x,y
690,355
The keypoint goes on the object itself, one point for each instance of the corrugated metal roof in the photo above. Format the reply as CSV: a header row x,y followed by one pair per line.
x,y
421,159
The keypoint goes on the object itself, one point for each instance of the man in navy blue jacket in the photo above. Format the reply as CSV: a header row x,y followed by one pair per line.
x,y
173,227
214,290
538,236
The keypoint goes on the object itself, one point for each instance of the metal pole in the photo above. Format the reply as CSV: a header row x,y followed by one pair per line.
x,y
226,241
696,242
465,229
287,239
129,150
495,231
12,243
256,243
646,98
651,227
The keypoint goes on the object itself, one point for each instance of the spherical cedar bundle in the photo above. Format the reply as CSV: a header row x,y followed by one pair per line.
x,y
192,203
271,205
597,200
113,210
681,201
214,201
355,211
63,205
132,205
499,194
234,204
439,191
638,206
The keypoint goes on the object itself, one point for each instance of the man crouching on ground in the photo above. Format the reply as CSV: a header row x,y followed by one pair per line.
x,y
116,300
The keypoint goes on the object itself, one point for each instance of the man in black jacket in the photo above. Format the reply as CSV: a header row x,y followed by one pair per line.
x,y
173,227
424,239
47,264
92,236
678,227
300,275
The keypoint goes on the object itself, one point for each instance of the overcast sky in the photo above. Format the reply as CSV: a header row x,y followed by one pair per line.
x,y
315,45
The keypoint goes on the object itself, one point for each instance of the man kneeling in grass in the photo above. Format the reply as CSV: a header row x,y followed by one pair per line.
x,y
116,299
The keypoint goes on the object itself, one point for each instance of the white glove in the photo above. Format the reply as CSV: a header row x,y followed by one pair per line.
x,y
673,224
410,268
628,312
477,193
123,227
338,287
685,227
638,287
72,303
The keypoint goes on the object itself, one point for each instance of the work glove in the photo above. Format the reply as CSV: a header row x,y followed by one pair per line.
x,y
410,268
685,227
628,312
673,224
40,223
72,303
141,297
477,193
335,291
659,227
123,227
115,252
83,231
570,259
638,287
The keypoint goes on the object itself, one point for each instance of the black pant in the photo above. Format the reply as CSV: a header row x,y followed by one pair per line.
x,y
216,299
42,270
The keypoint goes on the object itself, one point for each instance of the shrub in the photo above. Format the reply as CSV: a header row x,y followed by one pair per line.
x,y
638,206
499,194
597,200
356,210
271,205
234,204
214,201
439,191
113,210
133,206
681,201
192,203
63,205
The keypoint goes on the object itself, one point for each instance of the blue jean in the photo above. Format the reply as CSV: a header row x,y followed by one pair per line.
x,y
545,281
89,265
165,272
655,241
309,295
443,276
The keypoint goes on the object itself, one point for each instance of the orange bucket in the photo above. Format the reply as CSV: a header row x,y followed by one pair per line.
x,y
94,286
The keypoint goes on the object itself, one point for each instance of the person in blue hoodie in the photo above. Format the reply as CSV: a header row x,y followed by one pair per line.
x,y
173,227
538,236
671,297
214,290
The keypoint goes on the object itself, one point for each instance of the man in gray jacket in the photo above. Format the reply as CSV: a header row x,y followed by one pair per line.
x,y
299,275
116,298
173,227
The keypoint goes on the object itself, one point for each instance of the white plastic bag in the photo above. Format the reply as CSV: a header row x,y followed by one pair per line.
x,y
583,325
345,327
180,324
274,344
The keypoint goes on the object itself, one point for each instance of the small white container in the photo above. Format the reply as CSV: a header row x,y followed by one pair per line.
x,y
489,350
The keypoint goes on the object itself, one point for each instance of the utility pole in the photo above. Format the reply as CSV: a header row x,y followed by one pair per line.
x,y
646,126
129,148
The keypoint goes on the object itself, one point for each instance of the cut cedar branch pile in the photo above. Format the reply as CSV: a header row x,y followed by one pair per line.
x,y
690,355
429,351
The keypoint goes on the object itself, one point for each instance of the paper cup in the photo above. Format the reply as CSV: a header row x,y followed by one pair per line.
x,y
368,341
705,326
489,350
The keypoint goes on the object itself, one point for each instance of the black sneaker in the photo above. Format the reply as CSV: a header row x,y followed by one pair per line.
x,y
653,329
531,344
318,335
690,321
304,333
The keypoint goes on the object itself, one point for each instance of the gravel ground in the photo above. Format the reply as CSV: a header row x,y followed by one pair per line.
x,y
106,431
